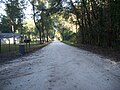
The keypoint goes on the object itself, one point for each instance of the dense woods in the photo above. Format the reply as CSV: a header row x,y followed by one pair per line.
x,y
97,22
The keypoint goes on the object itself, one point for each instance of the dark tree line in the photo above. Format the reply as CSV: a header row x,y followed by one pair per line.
x,y
98,21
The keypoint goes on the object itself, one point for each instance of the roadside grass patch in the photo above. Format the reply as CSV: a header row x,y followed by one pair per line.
x,y
7,55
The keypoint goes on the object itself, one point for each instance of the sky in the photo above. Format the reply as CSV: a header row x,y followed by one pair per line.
x,y
27,12
2,7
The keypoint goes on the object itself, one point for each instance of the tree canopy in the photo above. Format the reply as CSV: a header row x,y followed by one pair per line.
x,y
94,22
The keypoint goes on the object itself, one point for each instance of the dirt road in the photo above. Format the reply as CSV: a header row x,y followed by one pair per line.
x,y
60,67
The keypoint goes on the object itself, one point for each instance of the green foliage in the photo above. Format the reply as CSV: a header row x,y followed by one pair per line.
x,y
14,11
67,35
42,19
99,22
5,25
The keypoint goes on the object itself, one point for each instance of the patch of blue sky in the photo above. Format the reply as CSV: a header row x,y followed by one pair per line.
x,y
2,7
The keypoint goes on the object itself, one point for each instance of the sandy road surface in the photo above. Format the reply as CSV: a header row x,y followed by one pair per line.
x,y
60,67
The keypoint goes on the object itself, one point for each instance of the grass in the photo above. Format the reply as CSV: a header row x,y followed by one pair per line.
x,y
7,55
71,43
112,54
9,48
36,46
6,48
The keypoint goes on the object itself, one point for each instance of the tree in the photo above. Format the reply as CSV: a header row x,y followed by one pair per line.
x,y
5,25
41,15
15,14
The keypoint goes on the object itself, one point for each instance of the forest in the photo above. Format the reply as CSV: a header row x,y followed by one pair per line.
x,y
91,22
